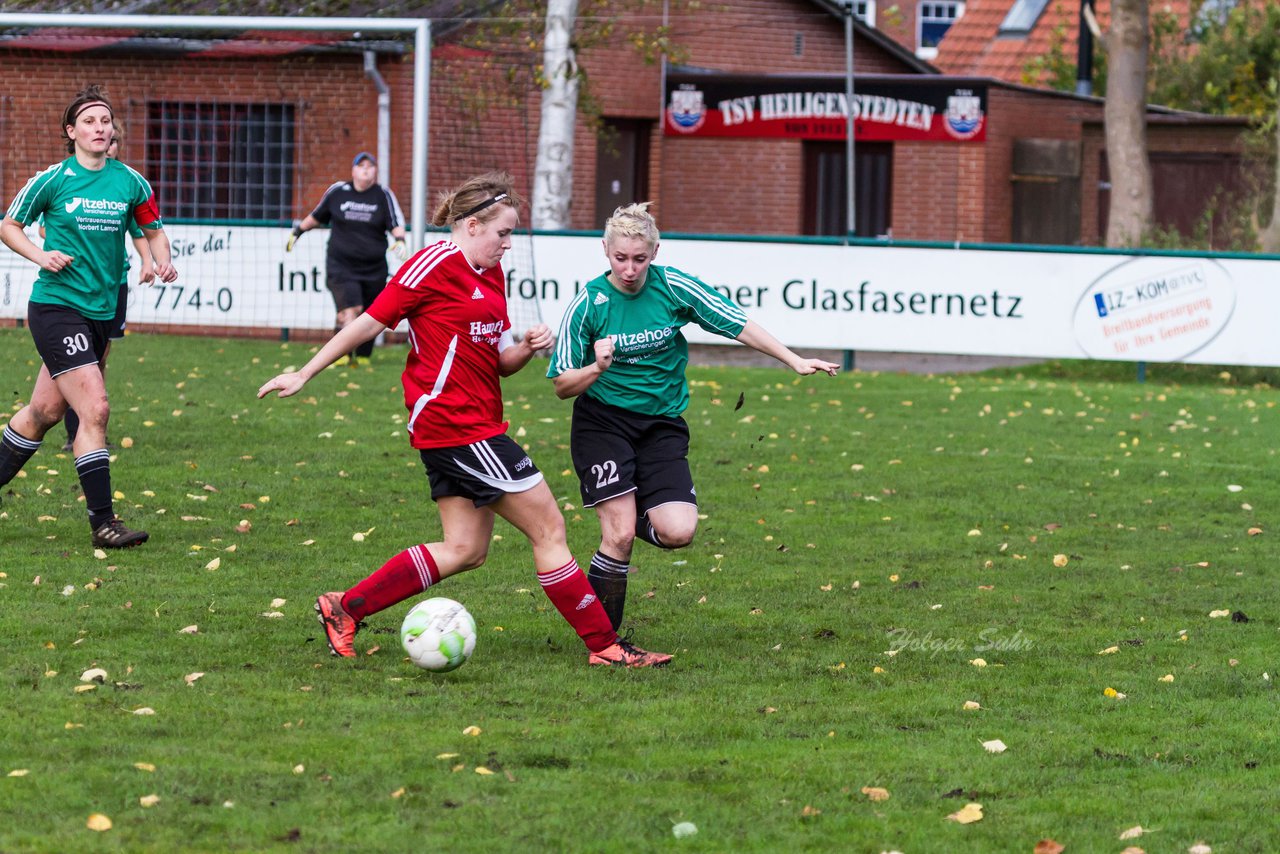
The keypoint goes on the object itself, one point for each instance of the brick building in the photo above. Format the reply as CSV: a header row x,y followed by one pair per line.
x,y
253,128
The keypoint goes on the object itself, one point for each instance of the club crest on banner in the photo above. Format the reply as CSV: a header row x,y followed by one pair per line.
x,y
687,110
964,116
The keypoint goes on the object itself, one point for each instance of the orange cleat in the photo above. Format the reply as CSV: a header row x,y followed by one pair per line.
x,y
339,627
624,654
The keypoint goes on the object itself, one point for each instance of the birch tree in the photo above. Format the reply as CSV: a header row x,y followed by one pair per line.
x,y
553,167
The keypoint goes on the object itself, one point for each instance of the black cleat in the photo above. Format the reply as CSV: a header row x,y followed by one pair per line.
x,y
114,535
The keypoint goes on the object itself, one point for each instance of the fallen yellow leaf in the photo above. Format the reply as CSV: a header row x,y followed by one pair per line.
x,y
483,771
1059,560
144,766
98,822
1048,846
1168,677
472,730
971,706
149,800
875,793
967,814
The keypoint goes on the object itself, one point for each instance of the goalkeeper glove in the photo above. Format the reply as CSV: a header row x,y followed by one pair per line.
x,y
293,238
400,249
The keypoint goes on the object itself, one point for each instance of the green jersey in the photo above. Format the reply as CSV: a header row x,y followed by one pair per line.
x,y
86,215
134,232
649,351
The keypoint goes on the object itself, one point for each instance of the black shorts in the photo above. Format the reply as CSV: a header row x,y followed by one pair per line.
x,y
483,471
616,451
116,332
351,291
65,338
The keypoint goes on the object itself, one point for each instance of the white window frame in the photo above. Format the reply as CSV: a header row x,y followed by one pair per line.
x,y
931,52
865,11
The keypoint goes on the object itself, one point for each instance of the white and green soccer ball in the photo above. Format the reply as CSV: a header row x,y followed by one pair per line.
x,y
438,634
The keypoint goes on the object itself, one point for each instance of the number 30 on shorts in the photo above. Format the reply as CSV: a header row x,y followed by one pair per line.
x,y
606,473
77,343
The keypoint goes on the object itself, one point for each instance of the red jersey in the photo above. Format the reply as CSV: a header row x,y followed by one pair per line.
x,y
457,316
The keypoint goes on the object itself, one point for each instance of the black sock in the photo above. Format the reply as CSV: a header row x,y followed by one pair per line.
x,y
644,530
72,423
365,350
608,577
15,450
94,469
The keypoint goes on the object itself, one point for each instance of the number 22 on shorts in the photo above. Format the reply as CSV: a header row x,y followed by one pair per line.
x,y
606,473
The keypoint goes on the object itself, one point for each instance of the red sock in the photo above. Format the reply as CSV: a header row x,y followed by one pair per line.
x,y
571,593
405,575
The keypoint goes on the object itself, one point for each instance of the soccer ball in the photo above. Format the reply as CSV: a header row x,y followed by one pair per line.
x,y
438,634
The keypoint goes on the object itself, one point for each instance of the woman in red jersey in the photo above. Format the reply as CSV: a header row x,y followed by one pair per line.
x,y
452,294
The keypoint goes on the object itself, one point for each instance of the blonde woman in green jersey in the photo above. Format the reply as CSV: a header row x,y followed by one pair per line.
x,y
86,202
620,352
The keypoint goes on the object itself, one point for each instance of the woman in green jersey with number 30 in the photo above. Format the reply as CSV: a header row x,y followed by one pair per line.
x,y
87,202
621,353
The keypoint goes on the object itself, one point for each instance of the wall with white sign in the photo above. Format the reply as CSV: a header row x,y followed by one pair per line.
x,y
1052,304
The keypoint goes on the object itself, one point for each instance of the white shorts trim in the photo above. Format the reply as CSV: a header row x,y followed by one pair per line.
x,y
611,497
508,486
76,368
665,503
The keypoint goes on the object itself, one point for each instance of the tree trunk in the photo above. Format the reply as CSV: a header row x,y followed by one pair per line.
x,y
1270,238
553,170
1128,43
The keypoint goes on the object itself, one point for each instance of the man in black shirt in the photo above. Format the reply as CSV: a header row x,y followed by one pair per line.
x,y
359,213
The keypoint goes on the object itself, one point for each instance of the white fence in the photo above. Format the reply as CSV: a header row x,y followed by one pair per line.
x,y
1053,304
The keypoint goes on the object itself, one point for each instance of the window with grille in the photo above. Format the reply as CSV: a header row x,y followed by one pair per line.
x,y
934,19
221,161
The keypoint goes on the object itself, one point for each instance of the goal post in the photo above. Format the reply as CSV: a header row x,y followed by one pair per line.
x,y
235,275
420,28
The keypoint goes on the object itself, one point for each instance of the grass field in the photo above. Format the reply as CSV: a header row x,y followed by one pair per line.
x,y
869,540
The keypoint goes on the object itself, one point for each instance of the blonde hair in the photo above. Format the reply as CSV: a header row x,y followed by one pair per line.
x,y
479,197
632,221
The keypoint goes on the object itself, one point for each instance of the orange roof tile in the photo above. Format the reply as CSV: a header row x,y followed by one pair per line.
x,y
974,47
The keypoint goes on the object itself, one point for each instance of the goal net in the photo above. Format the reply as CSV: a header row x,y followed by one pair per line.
x,y
239,125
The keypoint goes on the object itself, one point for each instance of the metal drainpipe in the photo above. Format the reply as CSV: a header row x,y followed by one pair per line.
x,y
384,117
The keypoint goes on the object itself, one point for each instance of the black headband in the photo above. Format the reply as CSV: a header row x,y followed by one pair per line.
x,y
486,203
94,103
